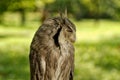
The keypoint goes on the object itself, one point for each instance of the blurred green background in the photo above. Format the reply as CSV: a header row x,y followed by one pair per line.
x,y
97,54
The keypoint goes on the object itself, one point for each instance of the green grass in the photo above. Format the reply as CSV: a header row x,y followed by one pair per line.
x,y
97,52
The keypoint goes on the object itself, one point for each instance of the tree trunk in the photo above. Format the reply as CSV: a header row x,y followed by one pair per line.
x,y
23,19
1,18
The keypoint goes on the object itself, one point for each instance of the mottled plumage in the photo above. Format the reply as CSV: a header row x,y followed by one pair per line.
x,y
52,51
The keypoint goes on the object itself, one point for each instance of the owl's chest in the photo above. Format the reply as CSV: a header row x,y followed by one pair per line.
x,y
63,64
66,49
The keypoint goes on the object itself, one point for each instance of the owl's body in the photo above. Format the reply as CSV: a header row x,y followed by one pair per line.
x,y
52,50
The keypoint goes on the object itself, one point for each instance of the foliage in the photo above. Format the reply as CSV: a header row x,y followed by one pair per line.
x,y
79,9
3,5
21,4
17,5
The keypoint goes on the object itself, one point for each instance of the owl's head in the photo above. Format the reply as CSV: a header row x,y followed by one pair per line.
x,y
60,29
68,30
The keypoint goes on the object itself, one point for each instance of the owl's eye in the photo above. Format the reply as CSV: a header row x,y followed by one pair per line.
x,y
69,29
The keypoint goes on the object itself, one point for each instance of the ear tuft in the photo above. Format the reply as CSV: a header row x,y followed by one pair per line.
x,y
63,15
65,12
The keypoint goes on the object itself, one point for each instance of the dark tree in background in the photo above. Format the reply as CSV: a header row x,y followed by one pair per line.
x,y
22,6
108,9
4,4
78,9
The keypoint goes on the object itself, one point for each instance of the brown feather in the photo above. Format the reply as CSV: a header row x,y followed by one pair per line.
x,y
52,52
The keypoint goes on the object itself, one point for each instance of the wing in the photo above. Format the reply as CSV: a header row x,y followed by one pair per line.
x,y
39,48
37,63
37,66
42,60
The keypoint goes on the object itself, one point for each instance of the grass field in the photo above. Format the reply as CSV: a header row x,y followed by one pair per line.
x,y
97,55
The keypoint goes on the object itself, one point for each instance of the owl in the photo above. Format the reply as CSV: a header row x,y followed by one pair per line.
x,y
52,51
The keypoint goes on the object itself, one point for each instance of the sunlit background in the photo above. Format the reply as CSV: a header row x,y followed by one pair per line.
x,y
97,54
